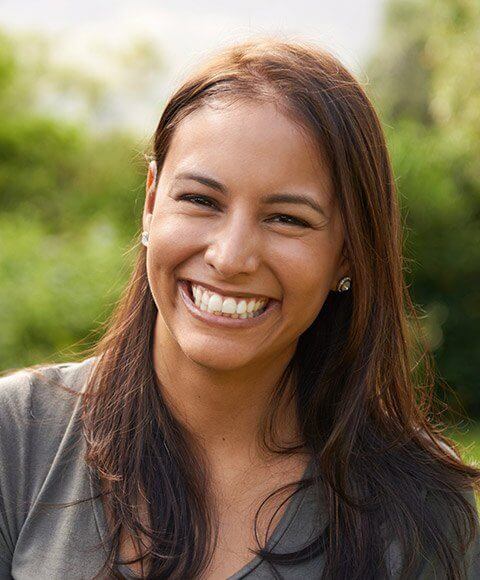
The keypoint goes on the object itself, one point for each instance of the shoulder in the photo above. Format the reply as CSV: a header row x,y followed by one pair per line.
x,y
36,412
446,507
454,451
455,511
28,392
38,426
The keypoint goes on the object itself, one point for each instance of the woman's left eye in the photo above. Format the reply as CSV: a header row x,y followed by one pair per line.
x,y
191,197
294,221
209,202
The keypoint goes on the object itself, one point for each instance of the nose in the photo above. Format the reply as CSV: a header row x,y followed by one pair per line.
x,y
234,250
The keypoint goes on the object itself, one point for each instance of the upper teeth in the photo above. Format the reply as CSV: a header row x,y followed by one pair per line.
x,y
213,302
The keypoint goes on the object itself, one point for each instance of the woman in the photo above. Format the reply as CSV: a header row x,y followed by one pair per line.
x,y
251,409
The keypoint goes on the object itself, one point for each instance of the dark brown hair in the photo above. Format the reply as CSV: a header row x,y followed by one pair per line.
x,y
363,380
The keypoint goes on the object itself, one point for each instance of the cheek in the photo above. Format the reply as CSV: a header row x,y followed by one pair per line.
x,y
307,277
172,240
309,291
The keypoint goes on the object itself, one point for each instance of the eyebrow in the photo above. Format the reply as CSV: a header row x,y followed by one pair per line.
x,y
294,198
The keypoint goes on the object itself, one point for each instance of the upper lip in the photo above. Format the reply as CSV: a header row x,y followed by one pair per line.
x,y
231,293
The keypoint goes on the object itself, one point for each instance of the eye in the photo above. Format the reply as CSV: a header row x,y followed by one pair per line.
x,y
293,221
204,200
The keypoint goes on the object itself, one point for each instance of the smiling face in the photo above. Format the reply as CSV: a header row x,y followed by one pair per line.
x,y
238,235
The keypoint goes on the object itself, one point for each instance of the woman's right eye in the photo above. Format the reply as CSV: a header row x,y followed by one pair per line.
x,y
204,200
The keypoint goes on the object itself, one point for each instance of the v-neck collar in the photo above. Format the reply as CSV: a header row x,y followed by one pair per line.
x,y
280,529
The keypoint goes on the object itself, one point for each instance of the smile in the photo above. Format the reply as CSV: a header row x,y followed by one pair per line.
x,y
239,313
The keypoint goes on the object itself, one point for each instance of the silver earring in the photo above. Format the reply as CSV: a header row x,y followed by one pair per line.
x,y
344,284
145,238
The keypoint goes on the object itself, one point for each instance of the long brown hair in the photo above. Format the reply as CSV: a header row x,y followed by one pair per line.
x,y
363,380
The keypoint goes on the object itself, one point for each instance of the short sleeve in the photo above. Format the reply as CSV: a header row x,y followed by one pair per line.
x,y
42,462
15,398
470,560
472,557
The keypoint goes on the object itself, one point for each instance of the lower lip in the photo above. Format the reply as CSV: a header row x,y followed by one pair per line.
x,y
224,321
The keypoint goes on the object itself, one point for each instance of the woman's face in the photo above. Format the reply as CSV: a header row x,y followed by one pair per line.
x,y
238,241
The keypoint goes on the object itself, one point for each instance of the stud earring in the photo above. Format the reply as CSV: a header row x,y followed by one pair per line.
x,y
145,238
344,284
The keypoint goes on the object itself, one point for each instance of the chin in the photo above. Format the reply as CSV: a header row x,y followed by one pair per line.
x,y
216,359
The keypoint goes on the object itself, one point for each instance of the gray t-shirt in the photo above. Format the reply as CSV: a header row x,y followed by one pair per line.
x,y
42,460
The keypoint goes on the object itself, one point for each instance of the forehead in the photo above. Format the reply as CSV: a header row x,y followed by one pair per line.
x,y
247,143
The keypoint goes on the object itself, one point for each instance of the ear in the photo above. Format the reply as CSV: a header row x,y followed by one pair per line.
x,y
342,270
150,193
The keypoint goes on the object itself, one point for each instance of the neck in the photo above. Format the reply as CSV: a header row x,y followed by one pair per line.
x,y
225,409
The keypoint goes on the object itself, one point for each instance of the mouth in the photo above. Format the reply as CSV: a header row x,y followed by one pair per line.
x,y
222,319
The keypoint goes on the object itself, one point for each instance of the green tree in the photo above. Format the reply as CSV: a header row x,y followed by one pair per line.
x,y
425,79
70,199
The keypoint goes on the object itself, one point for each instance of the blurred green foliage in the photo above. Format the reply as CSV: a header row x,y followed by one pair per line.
x,y
71,198
71,203
425,81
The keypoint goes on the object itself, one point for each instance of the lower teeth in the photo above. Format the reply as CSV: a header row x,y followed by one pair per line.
x,y
253,315
224,315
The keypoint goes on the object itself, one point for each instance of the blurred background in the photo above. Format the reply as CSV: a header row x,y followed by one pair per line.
x,y
82,86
